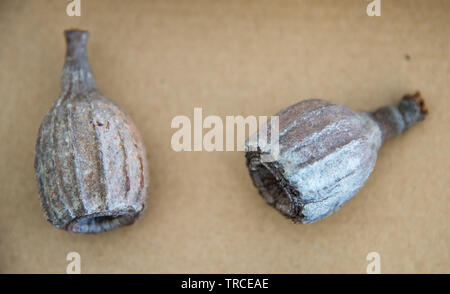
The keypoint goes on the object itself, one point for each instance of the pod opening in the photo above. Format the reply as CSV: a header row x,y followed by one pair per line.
x,y
96,223
272,185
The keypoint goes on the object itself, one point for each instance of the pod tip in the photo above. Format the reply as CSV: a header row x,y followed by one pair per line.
x,y
418,100
76,35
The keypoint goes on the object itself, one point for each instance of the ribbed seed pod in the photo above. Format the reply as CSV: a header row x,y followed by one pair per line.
x,y
89,158
326,154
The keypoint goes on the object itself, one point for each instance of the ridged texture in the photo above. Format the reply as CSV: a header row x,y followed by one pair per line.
x,y
327,153
89,157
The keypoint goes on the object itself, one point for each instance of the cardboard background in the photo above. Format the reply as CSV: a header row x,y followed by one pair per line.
x,y
159,59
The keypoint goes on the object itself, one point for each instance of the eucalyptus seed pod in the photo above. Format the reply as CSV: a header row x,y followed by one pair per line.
x,y
89,158
326,154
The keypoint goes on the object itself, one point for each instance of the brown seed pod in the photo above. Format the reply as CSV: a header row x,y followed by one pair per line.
x,y
326,154
89,158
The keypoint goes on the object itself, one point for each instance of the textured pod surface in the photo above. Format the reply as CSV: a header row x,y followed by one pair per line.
x,y
89,157
327,153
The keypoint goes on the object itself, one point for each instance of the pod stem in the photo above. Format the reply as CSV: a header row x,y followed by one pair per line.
x,y
76,77
395,120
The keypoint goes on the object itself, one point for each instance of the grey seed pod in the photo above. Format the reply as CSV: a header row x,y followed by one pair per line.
x,y
326,154
89,158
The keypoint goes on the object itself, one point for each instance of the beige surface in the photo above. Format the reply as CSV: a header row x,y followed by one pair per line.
x,y
159,59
